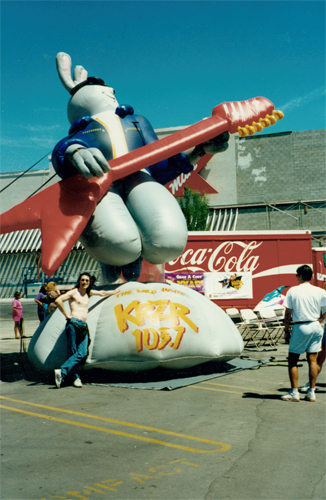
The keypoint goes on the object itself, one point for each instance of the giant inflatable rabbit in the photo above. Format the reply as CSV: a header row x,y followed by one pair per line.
x,y
138,218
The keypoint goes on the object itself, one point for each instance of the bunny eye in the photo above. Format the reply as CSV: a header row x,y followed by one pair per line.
x,y
111,89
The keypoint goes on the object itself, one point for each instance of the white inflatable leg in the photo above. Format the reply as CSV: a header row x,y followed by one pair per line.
x,y
159,218
111,236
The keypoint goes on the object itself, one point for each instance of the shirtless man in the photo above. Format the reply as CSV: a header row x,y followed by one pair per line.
x,y
76,328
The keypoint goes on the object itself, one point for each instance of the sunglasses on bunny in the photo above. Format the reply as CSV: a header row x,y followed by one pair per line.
x,y
91,80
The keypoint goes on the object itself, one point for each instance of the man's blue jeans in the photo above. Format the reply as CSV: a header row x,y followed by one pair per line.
x,y
77,346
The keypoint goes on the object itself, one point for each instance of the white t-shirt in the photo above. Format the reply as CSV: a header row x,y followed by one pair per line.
x,y
306,301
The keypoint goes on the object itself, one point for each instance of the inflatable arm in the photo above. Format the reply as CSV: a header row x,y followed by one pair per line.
x,y
73,200
82,137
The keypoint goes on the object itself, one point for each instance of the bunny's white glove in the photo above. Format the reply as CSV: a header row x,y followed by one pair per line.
x,y
216,145
89,162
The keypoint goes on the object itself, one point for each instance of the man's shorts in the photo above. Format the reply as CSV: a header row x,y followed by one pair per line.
x,y
323,342
306,338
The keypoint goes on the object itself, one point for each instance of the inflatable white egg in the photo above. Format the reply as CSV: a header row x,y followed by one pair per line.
x,y
144,327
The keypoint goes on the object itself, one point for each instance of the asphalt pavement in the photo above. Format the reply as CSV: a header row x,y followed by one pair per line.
x,y
229,437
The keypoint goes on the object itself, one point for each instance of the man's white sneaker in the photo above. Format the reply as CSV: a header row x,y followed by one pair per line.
x,y
291,396
310,396
305,388
78,383
58,378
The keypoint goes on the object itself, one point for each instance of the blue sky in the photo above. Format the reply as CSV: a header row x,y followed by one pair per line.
x,y
172,61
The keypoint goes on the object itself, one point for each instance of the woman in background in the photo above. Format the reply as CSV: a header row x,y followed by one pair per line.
x,y
40,300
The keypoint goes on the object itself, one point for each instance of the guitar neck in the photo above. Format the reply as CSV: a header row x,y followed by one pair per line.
x,y
244,117
168,146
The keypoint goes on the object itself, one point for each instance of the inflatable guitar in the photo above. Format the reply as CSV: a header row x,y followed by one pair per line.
x,y
62,210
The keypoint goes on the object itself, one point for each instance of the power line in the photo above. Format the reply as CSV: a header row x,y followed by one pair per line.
x,y
41,186
21,175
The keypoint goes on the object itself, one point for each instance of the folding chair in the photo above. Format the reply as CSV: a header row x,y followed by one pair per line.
x,y
252,327
280,315
272,322
234,314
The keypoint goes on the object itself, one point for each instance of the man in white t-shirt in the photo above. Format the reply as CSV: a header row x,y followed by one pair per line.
x,y
303,303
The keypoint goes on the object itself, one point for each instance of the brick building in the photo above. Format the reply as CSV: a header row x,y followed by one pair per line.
x,y
270,182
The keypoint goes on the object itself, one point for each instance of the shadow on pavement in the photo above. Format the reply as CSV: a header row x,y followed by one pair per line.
x,y
320,389
16,366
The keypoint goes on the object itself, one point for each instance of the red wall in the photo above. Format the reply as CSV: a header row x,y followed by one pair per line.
x,y
272,258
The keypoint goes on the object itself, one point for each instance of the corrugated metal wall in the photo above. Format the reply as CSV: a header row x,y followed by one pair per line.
x,y
24,241
14,266
11,272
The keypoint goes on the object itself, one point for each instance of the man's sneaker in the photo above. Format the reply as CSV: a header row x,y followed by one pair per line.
x,y
310,396
58,378
291,396
305,388
78,383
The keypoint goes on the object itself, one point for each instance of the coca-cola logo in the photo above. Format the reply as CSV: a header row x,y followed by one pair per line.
x,y
225,257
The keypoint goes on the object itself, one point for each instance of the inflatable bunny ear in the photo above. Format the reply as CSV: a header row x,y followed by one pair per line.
x,y
64,71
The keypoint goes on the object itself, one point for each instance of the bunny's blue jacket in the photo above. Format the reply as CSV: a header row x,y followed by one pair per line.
x,y
90,133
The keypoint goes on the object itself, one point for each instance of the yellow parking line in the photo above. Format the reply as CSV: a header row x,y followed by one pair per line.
x,y
222,446
239,387
211,389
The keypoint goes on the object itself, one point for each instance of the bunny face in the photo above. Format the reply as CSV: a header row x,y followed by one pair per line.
x,y
91,100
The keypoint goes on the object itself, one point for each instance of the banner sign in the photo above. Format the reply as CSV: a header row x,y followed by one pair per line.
x,y
228,285
191,280
215,285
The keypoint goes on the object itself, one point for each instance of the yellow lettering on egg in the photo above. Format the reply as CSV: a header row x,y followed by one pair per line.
x,y
124,315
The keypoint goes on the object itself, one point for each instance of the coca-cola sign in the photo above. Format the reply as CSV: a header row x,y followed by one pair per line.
x,y
228,256
267,260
